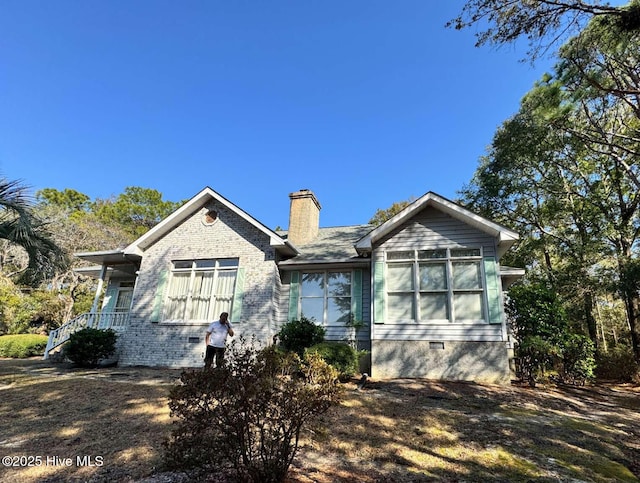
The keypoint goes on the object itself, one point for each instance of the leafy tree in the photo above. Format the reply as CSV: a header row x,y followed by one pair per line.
x,y
70,200
564,171
38,312
578,359
382,215
77,229
243,421
20,226
23,345
534,309
543,23
10,301
527,181
137,209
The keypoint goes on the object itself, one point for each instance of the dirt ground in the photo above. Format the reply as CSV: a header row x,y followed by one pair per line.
x,y
406,430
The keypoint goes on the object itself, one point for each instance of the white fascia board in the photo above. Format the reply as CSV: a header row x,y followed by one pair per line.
x,y
98,253
504,235
190,207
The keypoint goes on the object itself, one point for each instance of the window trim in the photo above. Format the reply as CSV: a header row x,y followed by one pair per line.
x,y
325,297
449,258
219,265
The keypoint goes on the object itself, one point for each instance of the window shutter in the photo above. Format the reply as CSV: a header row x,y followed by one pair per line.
x,y
294,295
238,294
378,293
356,301
494,298
110,297
158,300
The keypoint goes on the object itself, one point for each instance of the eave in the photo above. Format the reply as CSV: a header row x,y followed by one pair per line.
x,y
192,206
505,237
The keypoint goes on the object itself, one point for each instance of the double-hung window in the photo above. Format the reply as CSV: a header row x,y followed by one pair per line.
x,y
326,297
200,290
435,285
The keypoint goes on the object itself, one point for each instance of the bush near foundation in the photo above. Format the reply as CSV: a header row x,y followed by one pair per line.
x,y
88,346
242,421
298,335
339,355
22,345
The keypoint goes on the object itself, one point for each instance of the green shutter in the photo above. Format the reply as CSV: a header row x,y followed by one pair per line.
x,y
294,295
493,290
356,301
110,298
378,293
238,294
158,300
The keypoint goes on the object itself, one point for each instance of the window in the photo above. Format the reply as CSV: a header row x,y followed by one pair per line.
x,y
124,298
435,285
200,290
326,297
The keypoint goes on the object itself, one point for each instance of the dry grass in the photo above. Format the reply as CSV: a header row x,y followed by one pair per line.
x,y
393,431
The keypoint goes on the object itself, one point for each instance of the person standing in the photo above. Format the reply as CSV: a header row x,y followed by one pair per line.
x,y
216,339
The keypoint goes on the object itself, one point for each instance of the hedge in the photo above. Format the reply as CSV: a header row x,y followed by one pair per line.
x,y
339,355
22,345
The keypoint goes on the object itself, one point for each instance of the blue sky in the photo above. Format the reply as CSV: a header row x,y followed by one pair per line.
x,y
363,102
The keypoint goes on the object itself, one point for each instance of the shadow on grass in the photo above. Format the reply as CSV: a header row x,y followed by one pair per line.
x,y
415,430
392,431
63,424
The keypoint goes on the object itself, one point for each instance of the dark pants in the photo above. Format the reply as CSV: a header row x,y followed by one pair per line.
x,y
212,353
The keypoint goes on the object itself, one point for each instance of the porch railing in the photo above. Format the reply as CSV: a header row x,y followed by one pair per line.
x,y
117,321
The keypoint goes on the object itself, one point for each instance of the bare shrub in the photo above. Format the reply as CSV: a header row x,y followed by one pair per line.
x,y
244,419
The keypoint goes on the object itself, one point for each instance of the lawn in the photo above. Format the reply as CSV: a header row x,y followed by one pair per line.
x,y
58,423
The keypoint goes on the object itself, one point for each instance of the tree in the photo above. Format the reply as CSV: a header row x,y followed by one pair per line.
x,y
544,339
543,23
21,227
598,106
70,200
77,229
564,171
381,215
136,210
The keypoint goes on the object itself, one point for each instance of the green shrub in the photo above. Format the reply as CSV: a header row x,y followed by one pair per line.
x,y
339,355
243,421
22,345
87,346
37,312
578,359
535,356
298,335
617,364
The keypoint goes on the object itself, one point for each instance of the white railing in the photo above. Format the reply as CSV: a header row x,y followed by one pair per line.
x,y
117,321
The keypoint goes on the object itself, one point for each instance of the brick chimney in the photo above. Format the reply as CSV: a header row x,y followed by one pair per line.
x,y
304,217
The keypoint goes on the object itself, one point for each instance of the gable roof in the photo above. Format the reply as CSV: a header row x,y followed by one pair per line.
x,y
504,236
191,207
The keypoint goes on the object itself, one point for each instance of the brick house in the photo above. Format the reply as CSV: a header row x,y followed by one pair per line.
x,y
426,285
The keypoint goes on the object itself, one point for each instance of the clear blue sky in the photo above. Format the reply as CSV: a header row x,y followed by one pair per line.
x,y
363,102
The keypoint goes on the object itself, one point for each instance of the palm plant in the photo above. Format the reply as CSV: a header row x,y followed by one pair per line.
x,y
20,226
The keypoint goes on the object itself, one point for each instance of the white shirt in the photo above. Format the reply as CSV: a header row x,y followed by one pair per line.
x,y
218,333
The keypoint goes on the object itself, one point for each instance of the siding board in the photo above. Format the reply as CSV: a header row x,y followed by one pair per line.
x,y
433,229
459,332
